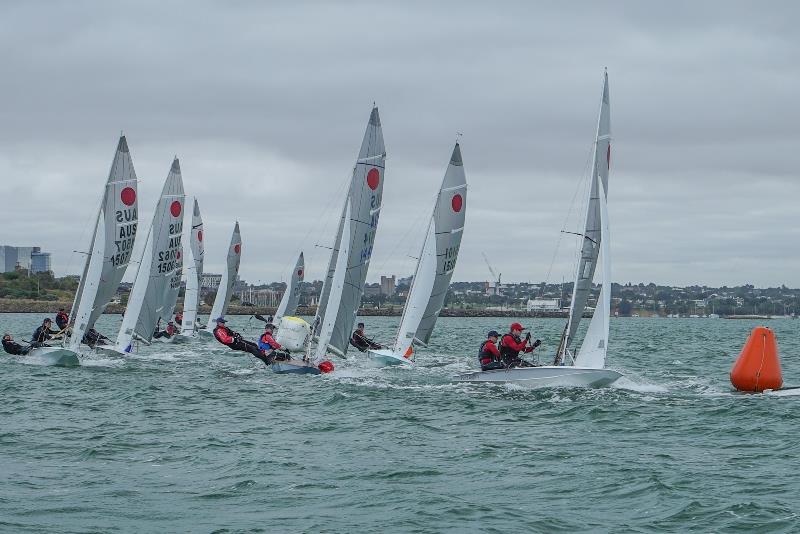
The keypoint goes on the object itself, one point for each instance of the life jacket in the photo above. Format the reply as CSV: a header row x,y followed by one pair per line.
x,y
62,319
507,352
484,356
263,344
179,318
223,336
13,347
170,330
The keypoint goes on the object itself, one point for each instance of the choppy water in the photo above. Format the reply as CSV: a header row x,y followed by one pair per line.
x,y
195,438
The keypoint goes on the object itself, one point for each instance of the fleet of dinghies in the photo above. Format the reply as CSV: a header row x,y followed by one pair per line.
x,y
162,264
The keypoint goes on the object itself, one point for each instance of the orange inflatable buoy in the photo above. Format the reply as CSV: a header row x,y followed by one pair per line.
x,y
758,368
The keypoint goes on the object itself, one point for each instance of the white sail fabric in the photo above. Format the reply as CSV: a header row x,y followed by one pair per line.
x,y
335,292
418,295
592,234
194,272
448,219
229,275
291,297
159,266
111,245
363,204
437,259
593,350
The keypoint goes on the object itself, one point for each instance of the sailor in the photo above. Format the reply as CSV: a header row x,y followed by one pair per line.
x,y
12,347
360,340
62,319
179,318
168,332
93,338
170,329
44,333
512,344
234,341
269,346
488,355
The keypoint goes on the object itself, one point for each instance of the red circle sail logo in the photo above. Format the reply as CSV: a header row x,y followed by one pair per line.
x,y
299,272
175,208
128,196
237,248
200,235
457,202
177,254
373,178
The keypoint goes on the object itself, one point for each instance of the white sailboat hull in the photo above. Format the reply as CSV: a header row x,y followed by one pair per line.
x,y
385,357
55,356
297,367
545,376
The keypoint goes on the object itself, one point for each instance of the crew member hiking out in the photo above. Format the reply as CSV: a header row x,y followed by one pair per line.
x,y
44,333
93,338
270,347
235,341
488,355
62,319
360,340
511,345
14,348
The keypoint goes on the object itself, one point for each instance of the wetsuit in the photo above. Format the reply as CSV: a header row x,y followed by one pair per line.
x,y
489,356
12,347
270,347
92,338
62,320
234,341
362,343
42,334
510,347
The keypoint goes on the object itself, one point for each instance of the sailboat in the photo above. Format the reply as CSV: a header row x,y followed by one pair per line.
x,y
159,268
349,260
291,297
194,274
435,267
229,275
586,368
109,253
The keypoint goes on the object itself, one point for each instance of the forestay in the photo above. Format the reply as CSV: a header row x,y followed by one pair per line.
x,y
229,274
194,273
159,265
291,297
592,233
356,231
437,260
110,247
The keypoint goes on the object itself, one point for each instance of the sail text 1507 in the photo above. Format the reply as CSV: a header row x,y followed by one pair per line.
x,y
126,233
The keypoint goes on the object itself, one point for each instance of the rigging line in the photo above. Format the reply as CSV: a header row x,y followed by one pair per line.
x,y
578,188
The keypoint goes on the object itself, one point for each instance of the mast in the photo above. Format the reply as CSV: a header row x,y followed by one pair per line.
x,y
592,233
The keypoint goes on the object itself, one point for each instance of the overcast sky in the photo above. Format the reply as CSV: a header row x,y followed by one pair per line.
x,y
266,104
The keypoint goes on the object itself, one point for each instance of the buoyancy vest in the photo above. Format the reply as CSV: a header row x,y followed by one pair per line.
x,y
507,352
224,335
484,356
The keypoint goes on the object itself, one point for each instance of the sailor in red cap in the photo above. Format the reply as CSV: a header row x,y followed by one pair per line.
x,y
512,344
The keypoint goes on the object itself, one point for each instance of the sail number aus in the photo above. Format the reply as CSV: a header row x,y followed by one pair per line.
x,y
450,257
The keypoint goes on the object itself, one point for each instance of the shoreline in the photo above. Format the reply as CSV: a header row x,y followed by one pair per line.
x,y
52,307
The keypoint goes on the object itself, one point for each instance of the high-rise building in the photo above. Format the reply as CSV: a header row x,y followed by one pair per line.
x,y
13,258
388,285
40,262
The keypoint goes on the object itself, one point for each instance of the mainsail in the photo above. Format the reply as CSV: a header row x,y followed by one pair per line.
x,y
437,260
291,297
356,233
159,266
111,245
593,234
229,275
194,273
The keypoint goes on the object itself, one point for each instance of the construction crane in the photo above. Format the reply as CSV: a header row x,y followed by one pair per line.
x,y
495,277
